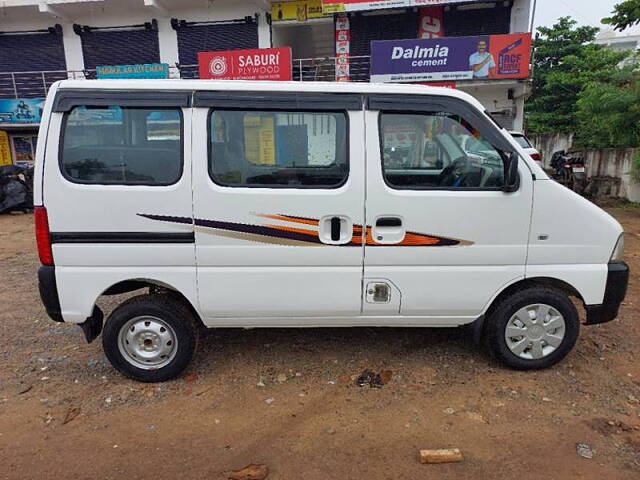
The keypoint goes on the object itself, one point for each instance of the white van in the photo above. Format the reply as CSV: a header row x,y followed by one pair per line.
x,y
260,204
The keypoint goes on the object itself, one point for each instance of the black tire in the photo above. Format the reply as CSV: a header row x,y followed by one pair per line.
x,y
171,311
497,323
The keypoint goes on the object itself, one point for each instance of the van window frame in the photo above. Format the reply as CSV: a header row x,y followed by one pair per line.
x,y
428,188
63,130
277,109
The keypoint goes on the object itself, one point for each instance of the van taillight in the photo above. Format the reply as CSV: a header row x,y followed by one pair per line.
x,y
43,239
536,156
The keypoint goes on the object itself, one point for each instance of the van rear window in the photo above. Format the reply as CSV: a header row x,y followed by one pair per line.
x,y
294,149
122,145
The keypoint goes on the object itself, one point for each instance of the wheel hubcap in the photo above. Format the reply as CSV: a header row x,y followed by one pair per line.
x,y
147,342
535,331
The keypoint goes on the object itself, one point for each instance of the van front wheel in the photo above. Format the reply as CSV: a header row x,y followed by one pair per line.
x,y
150,338
533,328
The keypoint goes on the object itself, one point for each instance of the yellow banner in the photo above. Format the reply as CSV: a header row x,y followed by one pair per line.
x,y
5,149
299,11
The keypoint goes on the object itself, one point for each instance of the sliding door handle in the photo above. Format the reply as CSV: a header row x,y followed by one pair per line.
x,y
335,229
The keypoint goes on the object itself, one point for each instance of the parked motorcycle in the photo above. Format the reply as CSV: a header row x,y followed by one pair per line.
x,y
568,169
16,188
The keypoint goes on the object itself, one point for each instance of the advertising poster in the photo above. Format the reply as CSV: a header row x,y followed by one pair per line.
x,y
451,59
21,110
253,64
5,148
148,70
297,11
343,48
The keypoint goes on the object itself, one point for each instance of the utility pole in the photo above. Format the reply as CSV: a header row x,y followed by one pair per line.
x,y
533,15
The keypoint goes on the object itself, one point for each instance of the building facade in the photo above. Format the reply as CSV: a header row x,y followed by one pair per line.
x,y
42,41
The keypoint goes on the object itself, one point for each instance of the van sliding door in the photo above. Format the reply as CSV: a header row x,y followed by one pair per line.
x,y
279,206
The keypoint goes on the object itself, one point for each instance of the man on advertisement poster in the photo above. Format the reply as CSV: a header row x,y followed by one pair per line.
x,y
482,63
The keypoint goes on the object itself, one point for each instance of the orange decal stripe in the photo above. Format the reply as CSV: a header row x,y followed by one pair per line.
x,y
286,218
416,239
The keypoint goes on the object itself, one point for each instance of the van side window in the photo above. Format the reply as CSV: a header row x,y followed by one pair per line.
x,y
122,145
437,151
278,149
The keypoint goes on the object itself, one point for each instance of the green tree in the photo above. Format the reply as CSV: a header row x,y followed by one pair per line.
x,y
565,61
609,112
625,14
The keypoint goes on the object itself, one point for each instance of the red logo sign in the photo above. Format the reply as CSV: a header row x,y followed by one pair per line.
x,y
255,64
431,22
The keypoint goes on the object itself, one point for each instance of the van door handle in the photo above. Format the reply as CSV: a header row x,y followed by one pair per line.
x,y
335,229
389,222
388,230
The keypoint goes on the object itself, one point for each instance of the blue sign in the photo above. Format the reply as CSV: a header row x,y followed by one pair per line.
x,y
451,58
148,70
21,110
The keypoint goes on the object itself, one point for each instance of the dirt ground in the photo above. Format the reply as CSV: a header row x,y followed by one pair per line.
x,y
65,413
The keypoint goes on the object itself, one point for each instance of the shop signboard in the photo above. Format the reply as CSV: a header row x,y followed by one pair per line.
x,y
21,110
147,70
333,6
253,64
297,11
487,57
431,22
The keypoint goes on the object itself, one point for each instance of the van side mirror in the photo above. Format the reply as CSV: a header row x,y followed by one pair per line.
x,y
511,176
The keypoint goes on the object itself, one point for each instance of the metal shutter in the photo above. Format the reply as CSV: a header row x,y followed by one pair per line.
x,y
119,47
209,38
482,21
30,52
365,28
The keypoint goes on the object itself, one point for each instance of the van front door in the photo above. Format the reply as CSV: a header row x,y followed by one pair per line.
x,y
278,206
442,235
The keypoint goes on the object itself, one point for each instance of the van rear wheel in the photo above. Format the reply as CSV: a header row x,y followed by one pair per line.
x,y
150,338
533,328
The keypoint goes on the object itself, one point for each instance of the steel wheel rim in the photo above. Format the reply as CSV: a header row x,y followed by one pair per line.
x,y
535,331
147,342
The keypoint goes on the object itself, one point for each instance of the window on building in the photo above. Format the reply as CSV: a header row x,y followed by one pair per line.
x,y
490,18
278,149
122,145
437,150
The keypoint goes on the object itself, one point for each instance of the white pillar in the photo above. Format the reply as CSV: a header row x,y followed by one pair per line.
x,y
168,42
264,31
72,48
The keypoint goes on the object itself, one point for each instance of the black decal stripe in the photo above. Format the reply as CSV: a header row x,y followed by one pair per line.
x,y
168,218
122,237
257,230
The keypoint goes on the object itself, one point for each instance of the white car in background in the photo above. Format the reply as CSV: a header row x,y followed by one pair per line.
x,y
524,142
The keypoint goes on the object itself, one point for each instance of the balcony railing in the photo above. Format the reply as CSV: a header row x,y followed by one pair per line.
x,y
35,84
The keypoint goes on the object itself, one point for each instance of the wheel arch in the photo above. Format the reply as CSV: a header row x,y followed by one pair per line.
x,y
477,327
155,286
530,282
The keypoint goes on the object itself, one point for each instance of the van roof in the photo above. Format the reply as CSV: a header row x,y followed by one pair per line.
x,y
244,85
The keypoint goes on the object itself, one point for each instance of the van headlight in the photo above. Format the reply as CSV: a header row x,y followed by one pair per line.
x,y
618,250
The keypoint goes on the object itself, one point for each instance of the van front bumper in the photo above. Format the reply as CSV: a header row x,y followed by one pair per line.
x,y
615,291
